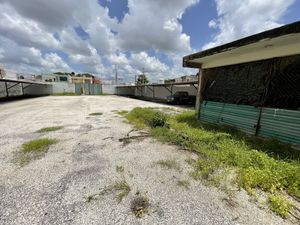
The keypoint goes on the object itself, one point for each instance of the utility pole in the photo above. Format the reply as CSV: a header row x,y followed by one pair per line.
x,y
116,75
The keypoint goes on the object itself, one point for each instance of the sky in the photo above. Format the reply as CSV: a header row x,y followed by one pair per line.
x,y
128,36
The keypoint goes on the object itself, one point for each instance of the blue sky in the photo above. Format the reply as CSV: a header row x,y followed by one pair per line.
x,y
96,36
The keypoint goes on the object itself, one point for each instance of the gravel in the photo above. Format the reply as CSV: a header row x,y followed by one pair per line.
x,y
54,189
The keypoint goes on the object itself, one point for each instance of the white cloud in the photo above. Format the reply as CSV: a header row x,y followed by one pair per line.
x,y
29,59
238,19
154,25
72,44
24,32
118,59
143,62
101,37
54,63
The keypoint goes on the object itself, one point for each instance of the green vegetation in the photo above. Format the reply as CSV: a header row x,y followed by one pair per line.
x,y
169,164
121,188
32,150
65,94
258,164
142,79
120,169
50,129
280,205
183,183
122,113
96,114
147,117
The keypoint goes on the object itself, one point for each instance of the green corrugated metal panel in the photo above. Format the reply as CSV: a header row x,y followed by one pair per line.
x,y
97,89
242,117
87,88
78,89
281,124
276,123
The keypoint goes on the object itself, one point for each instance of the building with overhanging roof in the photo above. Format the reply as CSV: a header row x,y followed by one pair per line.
x,y
253,83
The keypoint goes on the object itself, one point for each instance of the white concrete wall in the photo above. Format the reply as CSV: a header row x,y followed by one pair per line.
x,y
62,87
36,89
109,89
160,92
125,91
14,91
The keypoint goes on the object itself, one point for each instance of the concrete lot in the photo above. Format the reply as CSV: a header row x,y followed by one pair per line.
x,y
54,189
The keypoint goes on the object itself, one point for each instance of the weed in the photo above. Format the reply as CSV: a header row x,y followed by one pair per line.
x,y
120,169
121,187
32,150
38,145
280,205
169,164
184,183
143,117
49,129
122,113
65,94
96,114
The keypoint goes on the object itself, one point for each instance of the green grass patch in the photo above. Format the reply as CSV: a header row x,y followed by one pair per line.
x,y
262,164
96,114
280,205
169,164
50,129
33,150
65,94
147,117
122,112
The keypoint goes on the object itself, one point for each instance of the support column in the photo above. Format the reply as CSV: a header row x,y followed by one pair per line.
x,y
199,98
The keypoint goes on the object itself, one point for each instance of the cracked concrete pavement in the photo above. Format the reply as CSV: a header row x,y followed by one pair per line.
x,y
54,189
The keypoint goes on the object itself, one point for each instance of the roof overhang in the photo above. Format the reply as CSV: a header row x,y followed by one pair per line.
x,y
279,42
22,81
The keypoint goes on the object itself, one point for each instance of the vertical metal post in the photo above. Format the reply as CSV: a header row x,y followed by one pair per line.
x,y
171,89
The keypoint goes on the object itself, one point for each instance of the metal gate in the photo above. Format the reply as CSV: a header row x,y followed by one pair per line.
x,y
88,89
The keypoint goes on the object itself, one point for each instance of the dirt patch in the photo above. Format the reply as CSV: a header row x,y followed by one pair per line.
x,y
140,206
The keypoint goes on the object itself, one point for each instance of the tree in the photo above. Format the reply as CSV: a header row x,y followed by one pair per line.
x,y
142,79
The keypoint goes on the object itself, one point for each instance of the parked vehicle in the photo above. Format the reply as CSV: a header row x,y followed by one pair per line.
x,y
181,97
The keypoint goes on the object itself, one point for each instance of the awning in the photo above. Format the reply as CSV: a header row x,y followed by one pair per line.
x,y
278,42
